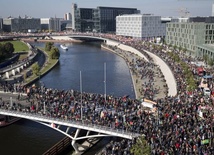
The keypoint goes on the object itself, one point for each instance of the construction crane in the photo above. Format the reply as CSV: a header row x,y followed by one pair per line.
x,y
183,12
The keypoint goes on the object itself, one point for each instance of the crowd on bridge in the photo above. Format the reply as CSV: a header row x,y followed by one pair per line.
x,y
180,125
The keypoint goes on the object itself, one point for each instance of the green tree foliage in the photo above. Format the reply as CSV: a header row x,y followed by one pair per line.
x,y
48,46
211,62
6,51
141,147
185,50
191,83
175,47
55,54
205,57
9,49
180,48
36,69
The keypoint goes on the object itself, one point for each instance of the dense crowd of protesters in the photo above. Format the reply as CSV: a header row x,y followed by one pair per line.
x,y
145,73
183,124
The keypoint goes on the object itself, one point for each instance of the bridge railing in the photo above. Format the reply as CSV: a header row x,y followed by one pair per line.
x,y
60,121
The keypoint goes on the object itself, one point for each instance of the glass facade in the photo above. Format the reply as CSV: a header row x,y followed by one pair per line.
x,y
84,20
1,24
101,19
21,24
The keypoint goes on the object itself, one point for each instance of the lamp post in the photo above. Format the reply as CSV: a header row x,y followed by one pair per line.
x,y
105,81
81,93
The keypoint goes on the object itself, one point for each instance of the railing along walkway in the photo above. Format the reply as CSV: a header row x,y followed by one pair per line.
x,y
70,123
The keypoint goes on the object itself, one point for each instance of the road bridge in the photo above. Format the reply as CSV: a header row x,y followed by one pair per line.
x,y
87,38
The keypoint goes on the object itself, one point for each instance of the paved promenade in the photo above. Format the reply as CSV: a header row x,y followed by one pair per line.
x,y
168,75
141,74
170,79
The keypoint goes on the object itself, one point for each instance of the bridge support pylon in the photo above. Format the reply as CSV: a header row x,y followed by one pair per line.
x,y
73,142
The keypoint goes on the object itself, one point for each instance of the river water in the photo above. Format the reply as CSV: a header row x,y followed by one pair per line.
x,y
27,137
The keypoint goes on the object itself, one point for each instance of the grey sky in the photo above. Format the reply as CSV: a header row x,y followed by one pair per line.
x,y
52,8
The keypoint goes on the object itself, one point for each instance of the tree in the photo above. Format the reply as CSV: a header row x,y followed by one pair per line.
x,y
180,48
2,56
36,69
48,46
141,147
211,62
205,57
174,47
55,54
185,50
9,49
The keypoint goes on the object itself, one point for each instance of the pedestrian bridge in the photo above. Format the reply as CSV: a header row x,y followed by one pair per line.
x,y
57,123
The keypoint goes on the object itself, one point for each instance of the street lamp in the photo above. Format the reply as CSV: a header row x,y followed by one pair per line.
x,y
81,92
105,81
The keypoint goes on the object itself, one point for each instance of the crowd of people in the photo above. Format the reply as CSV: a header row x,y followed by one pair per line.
x,y
146,74
180,125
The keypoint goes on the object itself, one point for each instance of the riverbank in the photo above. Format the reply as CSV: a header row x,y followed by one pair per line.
x,y
137,80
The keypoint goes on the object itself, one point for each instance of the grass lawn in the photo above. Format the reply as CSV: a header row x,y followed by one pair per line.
x,y
18,46
47,66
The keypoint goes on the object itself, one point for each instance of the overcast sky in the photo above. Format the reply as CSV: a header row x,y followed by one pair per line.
x,y
52,8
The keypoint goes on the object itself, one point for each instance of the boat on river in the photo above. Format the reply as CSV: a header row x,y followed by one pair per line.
x,y
7,120
64,47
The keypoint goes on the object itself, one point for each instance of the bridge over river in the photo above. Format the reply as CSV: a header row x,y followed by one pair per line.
x,y
22,109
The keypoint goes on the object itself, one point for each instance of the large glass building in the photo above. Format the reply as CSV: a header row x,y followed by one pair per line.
x,y
1,24
51,24
21,24
100,19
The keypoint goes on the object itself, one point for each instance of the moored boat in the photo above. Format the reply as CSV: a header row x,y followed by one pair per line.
x,y
63,46
7,120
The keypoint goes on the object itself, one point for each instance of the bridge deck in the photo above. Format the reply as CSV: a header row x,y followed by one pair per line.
x,y
70,123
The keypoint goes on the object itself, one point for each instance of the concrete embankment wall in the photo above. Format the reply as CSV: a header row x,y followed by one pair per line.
x,y
126,48
133,80
169,77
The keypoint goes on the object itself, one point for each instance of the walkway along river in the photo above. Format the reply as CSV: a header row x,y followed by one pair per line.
x,y
27,137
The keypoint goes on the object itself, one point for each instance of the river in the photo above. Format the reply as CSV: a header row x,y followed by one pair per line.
x,y
27,137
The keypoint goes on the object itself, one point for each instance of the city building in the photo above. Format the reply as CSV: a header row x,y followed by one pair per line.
x,y
51,24
141,26
205,49
180,19
66,25
213,9
67,16
1,24
192,35
21,24
100,19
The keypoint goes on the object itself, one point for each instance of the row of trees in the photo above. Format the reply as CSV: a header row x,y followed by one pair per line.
x,y
208,61
191,83
6,51
53,53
